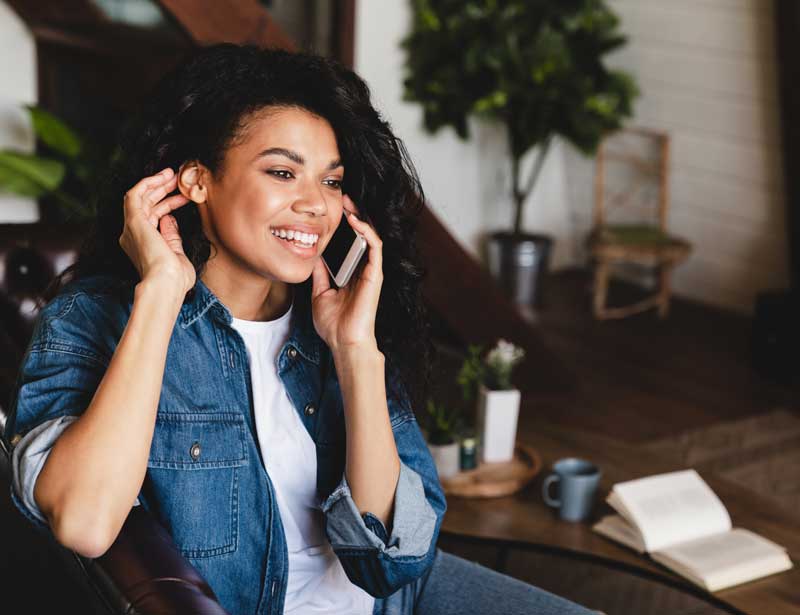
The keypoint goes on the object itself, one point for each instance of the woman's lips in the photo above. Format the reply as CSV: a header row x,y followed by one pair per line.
x,y
298,250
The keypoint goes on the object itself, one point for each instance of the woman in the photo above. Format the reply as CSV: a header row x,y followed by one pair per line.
x,y
199,363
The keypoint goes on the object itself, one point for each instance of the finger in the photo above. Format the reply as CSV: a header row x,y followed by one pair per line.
x,y
154,195
169,230
374,268
171,203
320,282
349,206
153,180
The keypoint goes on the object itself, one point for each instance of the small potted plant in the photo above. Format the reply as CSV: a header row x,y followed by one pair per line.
x,y
442,438
489,379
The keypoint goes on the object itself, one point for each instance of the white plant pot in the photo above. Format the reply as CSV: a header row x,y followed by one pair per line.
x,y
446,457
497,423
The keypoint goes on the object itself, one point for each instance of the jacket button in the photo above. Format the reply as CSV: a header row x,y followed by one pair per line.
x,y
292,352
15,440
310,409
195,450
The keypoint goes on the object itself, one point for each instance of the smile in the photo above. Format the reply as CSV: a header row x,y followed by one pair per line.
x,y
297,245
304,240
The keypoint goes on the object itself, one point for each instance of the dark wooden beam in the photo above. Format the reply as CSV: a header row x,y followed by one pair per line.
x,y
787,43
467,299
345,32
232,21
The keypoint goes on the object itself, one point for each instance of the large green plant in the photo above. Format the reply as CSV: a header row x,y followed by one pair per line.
x,y
66,171
535,65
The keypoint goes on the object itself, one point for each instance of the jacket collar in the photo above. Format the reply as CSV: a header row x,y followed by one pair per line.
x,y
201,302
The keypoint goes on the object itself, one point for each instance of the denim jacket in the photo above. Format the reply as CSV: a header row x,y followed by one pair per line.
x,y
205,479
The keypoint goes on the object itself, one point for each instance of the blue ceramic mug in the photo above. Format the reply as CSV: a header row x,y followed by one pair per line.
x,y
577,481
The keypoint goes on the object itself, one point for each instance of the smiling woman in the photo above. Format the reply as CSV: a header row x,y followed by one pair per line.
x,y
197,361
284,175
212,112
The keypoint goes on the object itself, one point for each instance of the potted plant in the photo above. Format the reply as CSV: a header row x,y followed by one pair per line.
x,y
489,380
62,176
536,67
443,422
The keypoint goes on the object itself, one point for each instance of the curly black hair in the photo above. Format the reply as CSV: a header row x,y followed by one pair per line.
x,y
202,107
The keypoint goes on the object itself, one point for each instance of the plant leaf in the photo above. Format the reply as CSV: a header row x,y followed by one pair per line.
x,y
54,132
28,174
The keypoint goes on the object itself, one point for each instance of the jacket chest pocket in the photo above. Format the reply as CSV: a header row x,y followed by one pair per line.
x,y
194,468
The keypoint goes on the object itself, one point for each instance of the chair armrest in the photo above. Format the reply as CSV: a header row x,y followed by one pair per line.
x,y
143,572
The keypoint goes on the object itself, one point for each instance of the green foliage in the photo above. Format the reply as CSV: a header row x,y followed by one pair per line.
x,y
29,175
54,133
534,65
472,373
65,171
443,423
493,371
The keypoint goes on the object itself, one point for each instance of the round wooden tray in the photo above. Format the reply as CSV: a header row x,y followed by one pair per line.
x,y
491,480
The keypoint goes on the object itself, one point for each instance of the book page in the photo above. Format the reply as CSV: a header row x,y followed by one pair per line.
x,y
616,528
670,508
725,559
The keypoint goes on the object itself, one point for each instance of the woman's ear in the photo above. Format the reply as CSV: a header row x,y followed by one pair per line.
x,y
191,181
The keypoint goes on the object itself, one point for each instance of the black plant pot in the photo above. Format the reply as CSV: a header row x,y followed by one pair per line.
x,y
519,263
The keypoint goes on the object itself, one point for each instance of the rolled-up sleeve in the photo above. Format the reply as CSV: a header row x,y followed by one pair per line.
x,y
379,561
27,460
60,372
413,520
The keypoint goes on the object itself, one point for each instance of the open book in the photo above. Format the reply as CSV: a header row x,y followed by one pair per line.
x,y
682,524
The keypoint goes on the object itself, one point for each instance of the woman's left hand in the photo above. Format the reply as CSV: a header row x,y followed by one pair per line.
x,y
345,317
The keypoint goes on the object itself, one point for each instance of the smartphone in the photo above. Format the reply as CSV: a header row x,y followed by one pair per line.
x,y
343,252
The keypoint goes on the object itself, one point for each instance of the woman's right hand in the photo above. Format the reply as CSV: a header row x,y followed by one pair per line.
x,y
150,234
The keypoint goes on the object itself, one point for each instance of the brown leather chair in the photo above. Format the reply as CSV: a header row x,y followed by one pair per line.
x,y
142,572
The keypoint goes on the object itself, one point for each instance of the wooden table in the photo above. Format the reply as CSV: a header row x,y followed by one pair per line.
x,y
524,517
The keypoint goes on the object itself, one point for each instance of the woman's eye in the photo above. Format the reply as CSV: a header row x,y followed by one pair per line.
x,y
287,174
335,183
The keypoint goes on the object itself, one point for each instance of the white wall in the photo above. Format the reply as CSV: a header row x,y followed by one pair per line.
x,y
18,71
707,73
467,183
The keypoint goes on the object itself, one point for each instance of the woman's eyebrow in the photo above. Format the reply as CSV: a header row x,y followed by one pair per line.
x,y
295,157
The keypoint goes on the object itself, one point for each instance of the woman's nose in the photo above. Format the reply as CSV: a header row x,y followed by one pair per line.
x,y
312,201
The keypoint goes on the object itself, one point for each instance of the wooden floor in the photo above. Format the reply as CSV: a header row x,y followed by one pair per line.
x,y
641,378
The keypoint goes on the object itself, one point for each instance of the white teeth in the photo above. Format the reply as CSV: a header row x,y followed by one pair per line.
x,y
306,238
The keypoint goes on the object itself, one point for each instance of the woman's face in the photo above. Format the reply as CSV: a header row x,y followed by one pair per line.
x,y
283,178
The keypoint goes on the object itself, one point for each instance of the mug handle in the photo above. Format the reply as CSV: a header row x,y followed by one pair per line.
x,y
552,502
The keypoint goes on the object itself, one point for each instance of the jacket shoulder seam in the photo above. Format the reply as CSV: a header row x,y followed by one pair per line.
x,y
51,342
54,345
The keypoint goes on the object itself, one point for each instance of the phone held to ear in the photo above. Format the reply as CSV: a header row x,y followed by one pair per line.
x,y
343,252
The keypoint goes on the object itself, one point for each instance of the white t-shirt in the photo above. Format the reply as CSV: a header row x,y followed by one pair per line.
x,y
317,582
